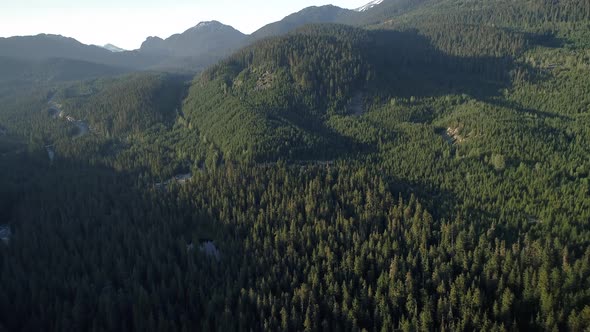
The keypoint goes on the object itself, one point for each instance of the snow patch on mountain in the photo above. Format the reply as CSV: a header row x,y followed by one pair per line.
x,y
369,5
208,25
113,48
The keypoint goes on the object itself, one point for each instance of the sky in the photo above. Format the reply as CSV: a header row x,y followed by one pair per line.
x,y
127,23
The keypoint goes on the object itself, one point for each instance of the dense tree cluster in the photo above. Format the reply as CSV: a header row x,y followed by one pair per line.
x,y
272,99
303,248
124,106
496,28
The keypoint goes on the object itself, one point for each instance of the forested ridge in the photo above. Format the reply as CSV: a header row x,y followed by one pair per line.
x,y
426,170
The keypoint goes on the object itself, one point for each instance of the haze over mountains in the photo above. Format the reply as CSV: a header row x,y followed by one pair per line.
x,y
205,38
190,51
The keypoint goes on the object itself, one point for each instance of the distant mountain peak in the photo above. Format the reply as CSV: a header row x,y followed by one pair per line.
x,y
154,38
51,36
369,5
308,15
209,38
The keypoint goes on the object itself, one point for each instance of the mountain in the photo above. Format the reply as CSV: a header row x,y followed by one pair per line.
x,y
310,15
126,104
113,48
43,47
192,50
268,100
281,93
521,14
201,40
53,70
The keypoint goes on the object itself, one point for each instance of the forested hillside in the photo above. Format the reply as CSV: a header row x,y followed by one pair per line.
x,y
426,170
283,90
52,70
497,27
269,100
309,15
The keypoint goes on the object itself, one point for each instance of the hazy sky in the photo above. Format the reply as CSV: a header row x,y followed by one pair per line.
x,y
126,23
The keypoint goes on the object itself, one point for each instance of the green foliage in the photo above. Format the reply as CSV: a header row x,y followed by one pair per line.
x,y
274,99
126,105
498,161
339,251
269,100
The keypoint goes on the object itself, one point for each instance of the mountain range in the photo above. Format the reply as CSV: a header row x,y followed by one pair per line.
x,y
191,50
207,42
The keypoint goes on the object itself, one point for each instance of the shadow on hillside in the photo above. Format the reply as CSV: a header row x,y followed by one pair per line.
x,y
317,143
118,230
407,64
442,204
525,111
546,39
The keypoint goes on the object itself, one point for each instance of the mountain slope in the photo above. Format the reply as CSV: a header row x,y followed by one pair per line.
x,y
52,46
277,96
455,26
43,47
266,100
117,107
53,70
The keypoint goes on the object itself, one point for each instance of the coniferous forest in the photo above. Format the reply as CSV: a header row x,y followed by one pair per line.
x,y
424,166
